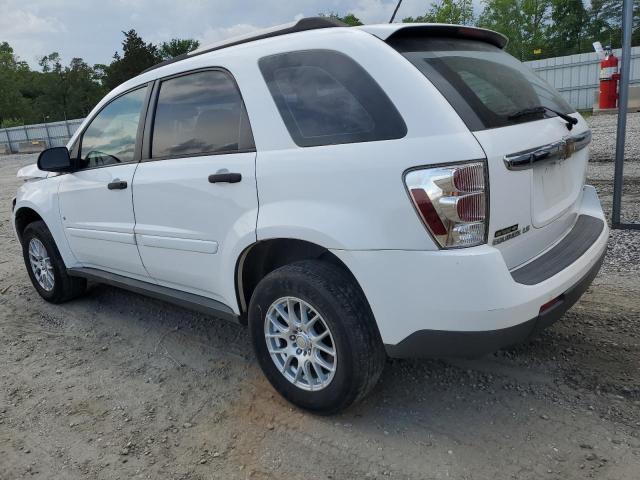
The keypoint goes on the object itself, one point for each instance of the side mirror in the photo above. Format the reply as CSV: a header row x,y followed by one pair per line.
x,y
55,159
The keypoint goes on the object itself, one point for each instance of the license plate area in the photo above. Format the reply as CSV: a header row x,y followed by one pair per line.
x,y
556,187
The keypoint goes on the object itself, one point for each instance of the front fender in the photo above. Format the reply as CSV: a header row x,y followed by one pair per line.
x,y
42,197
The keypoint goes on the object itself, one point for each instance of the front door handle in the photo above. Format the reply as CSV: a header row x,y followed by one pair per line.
x,y
225,177
117,185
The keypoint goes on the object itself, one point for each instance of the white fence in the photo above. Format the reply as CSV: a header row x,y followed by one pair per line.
x,y
55,134
577,76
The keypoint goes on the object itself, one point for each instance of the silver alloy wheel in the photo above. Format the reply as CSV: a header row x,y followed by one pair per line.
x,y
300,343
41,264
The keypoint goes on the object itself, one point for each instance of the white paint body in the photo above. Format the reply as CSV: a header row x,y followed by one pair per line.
x,y
175,229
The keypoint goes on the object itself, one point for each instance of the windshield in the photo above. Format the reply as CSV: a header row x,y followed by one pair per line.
x,y
487,87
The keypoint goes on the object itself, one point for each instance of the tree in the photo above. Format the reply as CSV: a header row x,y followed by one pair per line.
x,y
568,28
176,47
350,19
458,12
85,90
50,62
56,92
504,16
535,24
635,36
604,23
13,106
524,22
136,57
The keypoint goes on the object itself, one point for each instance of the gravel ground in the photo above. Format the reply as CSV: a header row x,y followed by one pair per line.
x,y
115,385
604,137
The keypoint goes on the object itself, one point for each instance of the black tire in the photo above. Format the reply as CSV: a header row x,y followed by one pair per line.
x,y
65,287
338,299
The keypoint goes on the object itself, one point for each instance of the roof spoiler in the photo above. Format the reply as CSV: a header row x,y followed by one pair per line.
x,y
304,24
396,31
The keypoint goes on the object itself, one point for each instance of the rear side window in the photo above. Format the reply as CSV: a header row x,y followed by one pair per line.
x,y
488,87
200,113
326,98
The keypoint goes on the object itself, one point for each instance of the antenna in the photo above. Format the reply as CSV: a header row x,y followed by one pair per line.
x,y
395,11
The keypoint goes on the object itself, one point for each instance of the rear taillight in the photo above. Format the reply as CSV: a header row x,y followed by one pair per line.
x,y
452,203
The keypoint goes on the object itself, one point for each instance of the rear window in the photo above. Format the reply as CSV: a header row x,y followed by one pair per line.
x,y
198,114
326,98
488,87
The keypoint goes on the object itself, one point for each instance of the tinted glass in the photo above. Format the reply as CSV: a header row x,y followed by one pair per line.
x,y
325,98
485,85
110,138
200,113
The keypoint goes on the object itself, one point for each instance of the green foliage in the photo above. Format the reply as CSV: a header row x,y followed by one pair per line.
x,y
459,12
11,122
535,28
176,47
541,28
56,92
13,106
350,19
524,22
566,34
137,56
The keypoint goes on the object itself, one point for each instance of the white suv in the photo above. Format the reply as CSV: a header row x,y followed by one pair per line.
x,y
349,193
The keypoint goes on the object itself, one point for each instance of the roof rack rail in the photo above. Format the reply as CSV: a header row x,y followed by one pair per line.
x,y
309,23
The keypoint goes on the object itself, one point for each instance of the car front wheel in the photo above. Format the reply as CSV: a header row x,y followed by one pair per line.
x,y
45,266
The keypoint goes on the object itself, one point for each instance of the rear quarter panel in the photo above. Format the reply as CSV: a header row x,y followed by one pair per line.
x,y
350,196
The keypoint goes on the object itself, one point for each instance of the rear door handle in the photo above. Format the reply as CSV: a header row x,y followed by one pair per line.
x,y
225,178
117,185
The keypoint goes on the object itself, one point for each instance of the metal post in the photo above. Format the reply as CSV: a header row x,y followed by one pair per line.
x,y
46,129
623,101
26,134
66,123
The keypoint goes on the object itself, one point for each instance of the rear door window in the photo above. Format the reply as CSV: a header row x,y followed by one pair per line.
x,y
198,114
488,87
326,98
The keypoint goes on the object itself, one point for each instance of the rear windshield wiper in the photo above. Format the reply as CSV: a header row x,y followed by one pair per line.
x,y
542,109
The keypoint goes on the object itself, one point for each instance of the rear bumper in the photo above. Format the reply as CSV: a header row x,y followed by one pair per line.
x,y
466,302
439,343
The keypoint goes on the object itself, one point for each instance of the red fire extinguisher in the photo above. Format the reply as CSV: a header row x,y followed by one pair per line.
x,y
609,77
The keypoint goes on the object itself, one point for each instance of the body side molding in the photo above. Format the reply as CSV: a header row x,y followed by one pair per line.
x,y
177,297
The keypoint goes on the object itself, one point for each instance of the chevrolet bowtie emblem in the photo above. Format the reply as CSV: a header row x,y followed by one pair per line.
x,y
568,149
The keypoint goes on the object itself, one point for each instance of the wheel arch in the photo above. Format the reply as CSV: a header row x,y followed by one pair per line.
x,y
23,217
264,256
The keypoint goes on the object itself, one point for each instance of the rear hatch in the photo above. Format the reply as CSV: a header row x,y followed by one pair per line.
x,y
536,159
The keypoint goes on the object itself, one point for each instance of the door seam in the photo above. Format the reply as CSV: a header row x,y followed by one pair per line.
x,y
135,224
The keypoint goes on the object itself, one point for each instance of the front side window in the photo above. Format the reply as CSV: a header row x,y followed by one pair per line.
x,y
326,98
488,87
200,113
110,138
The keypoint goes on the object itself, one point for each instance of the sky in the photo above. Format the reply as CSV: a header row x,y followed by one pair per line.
x,y
92,29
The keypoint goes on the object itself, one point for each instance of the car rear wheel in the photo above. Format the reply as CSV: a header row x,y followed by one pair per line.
x,y
315,337
45,266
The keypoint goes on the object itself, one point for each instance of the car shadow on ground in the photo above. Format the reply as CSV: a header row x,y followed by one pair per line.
x,y
550,367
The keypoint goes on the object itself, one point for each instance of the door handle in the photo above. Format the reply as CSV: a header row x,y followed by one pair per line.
x,y
117,185
225,177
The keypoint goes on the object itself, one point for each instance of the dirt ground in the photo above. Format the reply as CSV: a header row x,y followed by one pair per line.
x,y
115,386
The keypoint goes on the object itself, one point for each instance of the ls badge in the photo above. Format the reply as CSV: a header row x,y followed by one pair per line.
x,y
508,233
